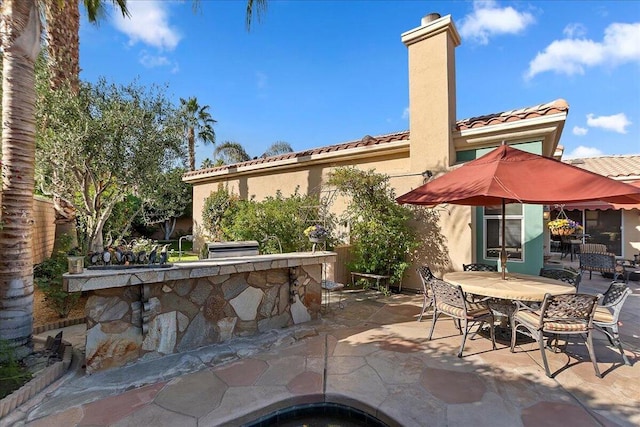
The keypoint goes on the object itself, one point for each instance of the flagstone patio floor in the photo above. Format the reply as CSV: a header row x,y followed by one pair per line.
x,y
372,355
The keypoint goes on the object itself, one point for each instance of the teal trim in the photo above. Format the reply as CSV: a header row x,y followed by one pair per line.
x,y
533,224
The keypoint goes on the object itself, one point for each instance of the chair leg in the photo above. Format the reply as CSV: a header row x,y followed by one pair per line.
x,y
540,338
592,354
464,336
424,308
514,332
492,330
433,323
618,343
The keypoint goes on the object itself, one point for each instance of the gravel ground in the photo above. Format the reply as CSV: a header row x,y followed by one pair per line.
x,y
43,314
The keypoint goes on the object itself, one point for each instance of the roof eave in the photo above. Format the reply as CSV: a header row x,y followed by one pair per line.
x,y
357,153
546,128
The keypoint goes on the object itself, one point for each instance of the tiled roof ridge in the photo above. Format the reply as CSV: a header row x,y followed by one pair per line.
x,y
553,107
604,156
557,106
365,141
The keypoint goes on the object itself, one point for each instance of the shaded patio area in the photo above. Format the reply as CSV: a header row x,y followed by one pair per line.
x,y
372,355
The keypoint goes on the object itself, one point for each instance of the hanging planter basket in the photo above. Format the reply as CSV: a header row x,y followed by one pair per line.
x,y
563,226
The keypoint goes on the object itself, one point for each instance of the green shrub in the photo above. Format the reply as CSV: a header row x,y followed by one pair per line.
x,y
381,236
13,374
228,218
48,278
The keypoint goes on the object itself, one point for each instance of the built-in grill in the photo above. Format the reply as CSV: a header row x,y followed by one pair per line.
x,y
232,249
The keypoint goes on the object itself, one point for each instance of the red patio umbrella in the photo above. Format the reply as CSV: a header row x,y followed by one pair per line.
x,y
508,175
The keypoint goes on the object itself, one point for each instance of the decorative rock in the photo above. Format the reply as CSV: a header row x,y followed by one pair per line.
x,y
214,307
275,322
226,327
166,289
234,286
299,312
162,334
257,278
201,292
277,277
172,302
216,280
183,322
105,309
183,287
199,333
269,301
246,304
105,351
283,299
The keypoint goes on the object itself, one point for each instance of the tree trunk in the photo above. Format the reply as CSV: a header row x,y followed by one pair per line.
x,y
191,138
63,24
168,227
20,44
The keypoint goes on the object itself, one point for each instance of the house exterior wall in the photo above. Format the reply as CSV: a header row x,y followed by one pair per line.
x,y
449,234
630,233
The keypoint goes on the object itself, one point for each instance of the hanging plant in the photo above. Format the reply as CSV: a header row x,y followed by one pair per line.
x,y
563,226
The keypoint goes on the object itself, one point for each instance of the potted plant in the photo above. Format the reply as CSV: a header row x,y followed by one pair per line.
x,y
316,233
564,227
75,261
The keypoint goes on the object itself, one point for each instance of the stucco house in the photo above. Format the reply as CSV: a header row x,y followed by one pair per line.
x,y
436,141
616,226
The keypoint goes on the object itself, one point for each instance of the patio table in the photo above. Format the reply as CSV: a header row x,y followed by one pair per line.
x,y
502,293
520,287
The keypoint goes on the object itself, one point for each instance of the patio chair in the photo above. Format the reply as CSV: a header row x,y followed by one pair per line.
x,y
566,314
479,267
427,298
567,276
449,299
602,262
607,314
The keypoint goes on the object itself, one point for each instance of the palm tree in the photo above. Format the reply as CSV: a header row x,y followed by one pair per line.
x,y
277,148
63,24
20,41
230,152
198,125
20,47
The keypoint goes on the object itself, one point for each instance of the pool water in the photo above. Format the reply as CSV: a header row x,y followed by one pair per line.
x,y
318,415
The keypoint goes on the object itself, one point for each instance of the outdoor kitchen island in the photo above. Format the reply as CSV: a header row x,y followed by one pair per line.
x,y
144,313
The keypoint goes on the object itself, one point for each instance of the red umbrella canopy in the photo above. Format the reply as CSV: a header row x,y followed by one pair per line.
x,y
509,175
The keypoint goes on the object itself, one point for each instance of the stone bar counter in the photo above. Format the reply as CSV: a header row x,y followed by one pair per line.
x,y
144,313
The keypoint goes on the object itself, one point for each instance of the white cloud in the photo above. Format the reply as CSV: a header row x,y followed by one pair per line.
x,y
152,61
489,20
616,123
405,114
148,24
574,30
620,44
583,151
577,130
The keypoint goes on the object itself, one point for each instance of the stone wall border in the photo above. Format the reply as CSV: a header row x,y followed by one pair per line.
x,y
38,383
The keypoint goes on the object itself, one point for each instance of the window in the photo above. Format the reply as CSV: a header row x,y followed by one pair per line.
x,y
513,230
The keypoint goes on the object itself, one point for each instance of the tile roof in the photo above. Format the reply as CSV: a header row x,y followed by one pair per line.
x,y
617,167
550,108
554,107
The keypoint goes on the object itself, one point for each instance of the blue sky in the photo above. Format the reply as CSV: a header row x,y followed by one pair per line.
x,y
315,73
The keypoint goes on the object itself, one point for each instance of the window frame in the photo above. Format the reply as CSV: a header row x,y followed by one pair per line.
x,y
498,216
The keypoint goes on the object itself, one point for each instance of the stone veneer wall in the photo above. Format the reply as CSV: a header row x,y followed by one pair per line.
x,y
151,320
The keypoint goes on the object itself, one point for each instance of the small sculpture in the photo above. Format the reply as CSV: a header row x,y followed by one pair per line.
x,y
164,254
153,254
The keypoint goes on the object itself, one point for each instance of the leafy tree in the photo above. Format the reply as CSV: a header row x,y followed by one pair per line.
x,y
228,218
230,152
197,124
277,148
104,143
167,201
381,235
207,163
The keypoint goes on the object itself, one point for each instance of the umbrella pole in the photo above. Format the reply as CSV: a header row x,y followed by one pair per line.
x,y
503,250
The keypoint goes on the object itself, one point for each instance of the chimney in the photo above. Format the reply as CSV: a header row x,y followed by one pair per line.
x,y
432,91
